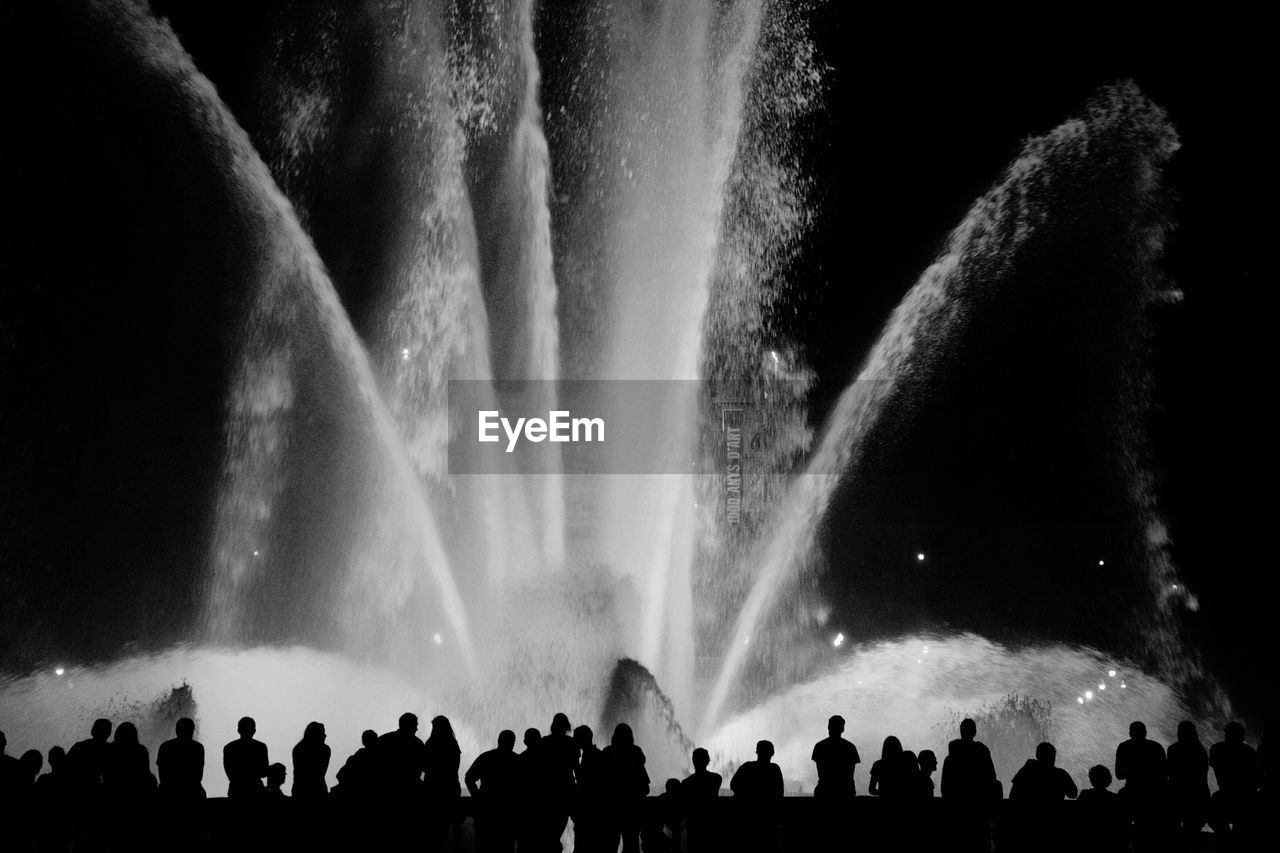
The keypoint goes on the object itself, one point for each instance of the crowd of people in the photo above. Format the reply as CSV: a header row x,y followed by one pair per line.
x,y
525,799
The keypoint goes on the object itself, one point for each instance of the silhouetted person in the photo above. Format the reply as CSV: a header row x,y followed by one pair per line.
x,y
968,773
1041,781
54,791
626,786
399,761
1235,766
180,763
1102,817
757,791
528,775
888,776
662,831
128,775
557,761
357,778
245,762
276,776
311,764
969,789
698,794
1141,764
492,781
87,759
1188,764
836,759
441,759
922,787
19,805
590,826
56,784
9,773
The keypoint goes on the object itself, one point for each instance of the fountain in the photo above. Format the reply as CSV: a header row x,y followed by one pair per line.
x,y
352,576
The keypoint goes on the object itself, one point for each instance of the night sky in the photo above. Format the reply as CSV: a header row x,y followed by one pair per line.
x,y
116,292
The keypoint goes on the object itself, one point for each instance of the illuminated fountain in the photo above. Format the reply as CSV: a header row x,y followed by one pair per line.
x,y
353,577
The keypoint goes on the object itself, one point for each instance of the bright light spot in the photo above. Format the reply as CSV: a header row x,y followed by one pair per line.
x,y
926,650
58,671
919,661
1088,695
839,640
774,355
1102,687
1080,700
859,683
920,557
255,553
1102,562
439,640
746,640
404,354
1123,685
1111,672
1174,587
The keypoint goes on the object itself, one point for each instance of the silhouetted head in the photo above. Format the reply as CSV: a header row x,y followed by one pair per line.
x,y
764,751
185,729
29,764
835,726
313,733
247,728
1187,733
583,736
408,724
1046,754
368,737
442,729
560,724
1137,730
1099,776
1233,732
4,743
968,729
531,737
928,761
276,775
127,734
701,758
101,730
673,787
622,735
892,748
507,740
57,757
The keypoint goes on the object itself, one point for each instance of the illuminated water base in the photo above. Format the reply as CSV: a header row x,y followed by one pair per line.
x,y
917,688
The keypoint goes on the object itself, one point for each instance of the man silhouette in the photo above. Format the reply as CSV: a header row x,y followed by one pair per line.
x,y
589,825
1141,764
968,774
245,762
88,759
757,790
1040,781
358,776
399,760
491,780
180,762
556,761
10,775
1235,766
836,759
698,794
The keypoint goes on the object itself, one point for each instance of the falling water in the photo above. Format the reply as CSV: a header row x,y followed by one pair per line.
x,y
916,341
294,316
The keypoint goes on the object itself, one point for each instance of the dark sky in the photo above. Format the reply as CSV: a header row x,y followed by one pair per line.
x,y
114,293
